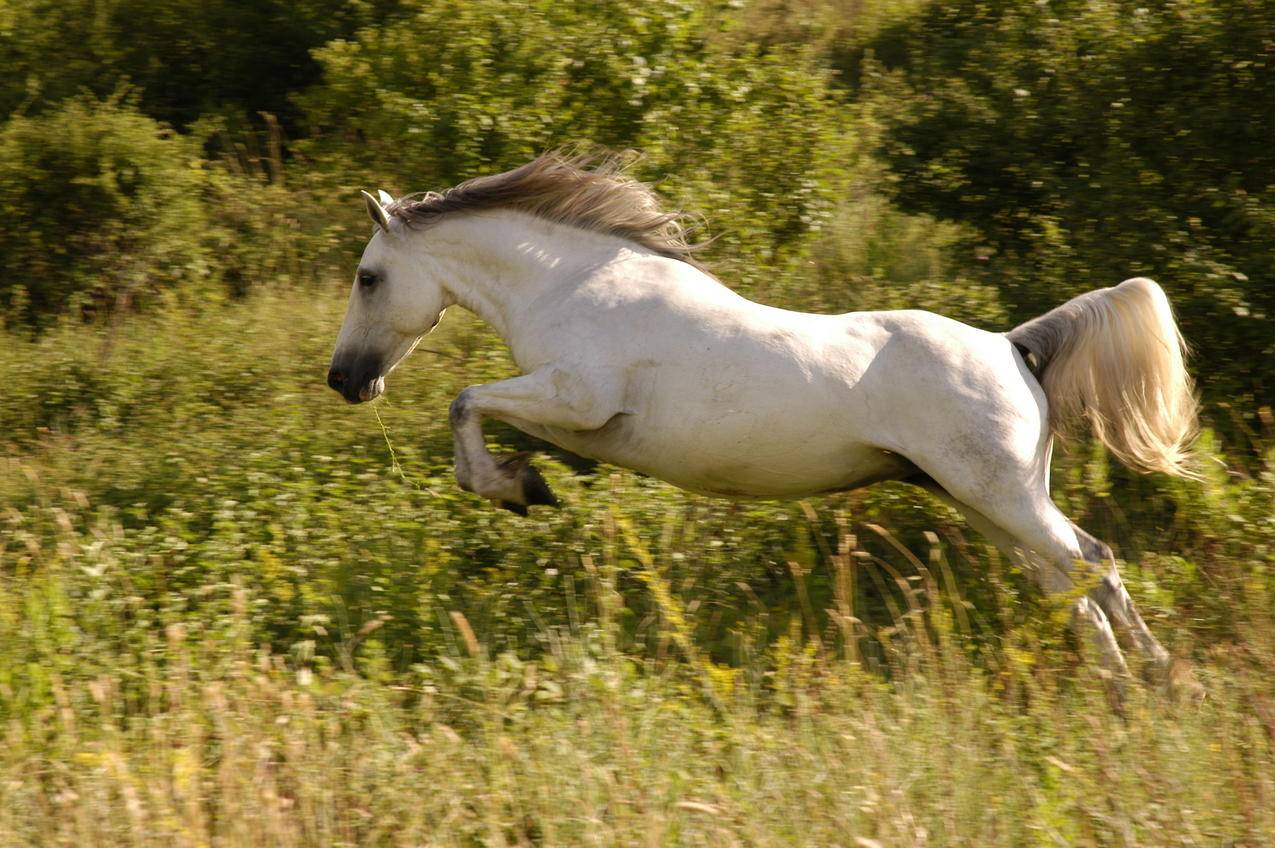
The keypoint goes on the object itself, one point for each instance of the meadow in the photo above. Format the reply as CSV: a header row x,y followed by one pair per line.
x,y
232,615
235,611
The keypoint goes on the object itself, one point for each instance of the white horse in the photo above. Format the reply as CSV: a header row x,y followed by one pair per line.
x,y
631,354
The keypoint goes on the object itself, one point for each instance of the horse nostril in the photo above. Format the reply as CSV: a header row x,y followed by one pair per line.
x,y
336,379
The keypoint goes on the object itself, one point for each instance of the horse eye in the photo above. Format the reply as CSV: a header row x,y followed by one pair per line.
x,y
367,279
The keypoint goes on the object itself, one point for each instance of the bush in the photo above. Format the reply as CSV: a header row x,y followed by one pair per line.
x,y
1090,142
99,206
187,59
752,139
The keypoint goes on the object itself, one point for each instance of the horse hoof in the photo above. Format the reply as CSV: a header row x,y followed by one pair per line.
x,y
535,491
512,506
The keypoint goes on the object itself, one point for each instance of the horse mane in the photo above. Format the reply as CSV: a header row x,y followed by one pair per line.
x,y
590,191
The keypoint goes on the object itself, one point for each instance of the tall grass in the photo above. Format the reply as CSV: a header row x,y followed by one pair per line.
x,y
212,739
226,618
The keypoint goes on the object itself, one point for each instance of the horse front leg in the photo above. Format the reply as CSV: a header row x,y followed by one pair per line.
x,y
548,397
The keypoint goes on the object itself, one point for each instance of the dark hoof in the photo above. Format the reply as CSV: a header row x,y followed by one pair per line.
x,y
516,508
535,491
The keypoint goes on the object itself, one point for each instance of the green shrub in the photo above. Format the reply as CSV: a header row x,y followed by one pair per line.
x,y
1091,142
751,139
99,205
186,59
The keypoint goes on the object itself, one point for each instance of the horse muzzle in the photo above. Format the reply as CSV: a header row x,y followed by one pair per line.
x,y
357,381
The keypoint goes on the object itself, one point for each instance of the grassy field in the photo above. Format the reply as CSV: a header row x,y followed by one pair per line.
x,y
235,611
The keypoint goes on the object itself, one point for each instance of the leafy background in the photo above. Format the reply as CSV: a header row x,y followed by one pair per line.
x,y
234,611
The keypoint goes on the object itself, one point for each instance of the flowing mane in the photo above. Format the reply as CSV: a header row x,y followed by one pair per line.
x,y
588,191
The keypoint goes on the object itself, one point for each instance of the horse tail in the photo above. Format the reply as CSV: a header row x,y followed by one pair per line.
x,y
1115,357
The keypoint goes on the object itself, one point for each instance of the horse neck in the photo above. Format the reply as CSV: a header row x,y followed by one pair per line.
x,y
498,263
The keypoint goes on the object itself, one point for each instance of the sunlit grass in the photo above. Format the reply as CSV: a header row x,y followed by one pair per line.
x,y
215,740
227,618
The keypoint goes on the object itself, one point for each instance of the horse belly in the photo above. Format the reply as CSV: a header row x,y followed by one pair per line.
x,y
771,409
802,473
738,456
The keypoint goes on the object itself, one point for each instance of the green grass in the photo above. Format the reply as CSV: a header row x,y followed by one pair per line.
x,y
226,618
590,746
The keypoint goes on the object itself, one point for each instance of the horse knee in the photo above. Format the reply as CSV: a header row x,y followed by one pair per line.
x,y
458,412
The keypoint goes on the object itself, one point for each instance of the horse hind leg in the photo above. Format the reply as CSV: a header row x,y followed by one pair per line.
x,y
1111,595
1051,574
1104,638
1055,549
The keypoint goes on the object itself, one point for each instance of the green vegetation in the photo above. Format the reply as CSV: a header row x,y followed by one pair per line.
x,y
103,204
235,611
1089,141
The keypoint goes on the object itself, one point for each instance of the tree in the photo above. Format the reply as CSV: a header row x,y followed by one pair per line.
x,y
1088,142
98,204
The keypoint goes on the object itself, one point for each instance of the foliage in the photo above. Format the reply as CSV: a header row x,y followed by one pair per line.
x,y
198,451
189,59
225,611
454,89
1090,142
204,738
1075,144
100,204
274,226
233,609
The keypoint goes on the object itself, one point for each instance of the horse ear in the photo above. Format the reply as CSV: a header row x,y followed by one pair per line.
x,y
387,199
376,212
